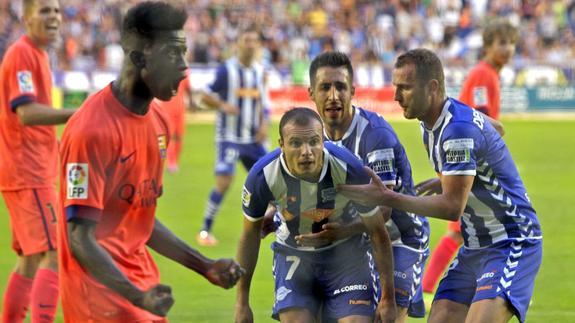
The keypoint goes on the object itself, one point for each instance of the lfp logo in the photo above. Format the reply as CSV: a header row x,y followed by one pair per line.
x,y
77,180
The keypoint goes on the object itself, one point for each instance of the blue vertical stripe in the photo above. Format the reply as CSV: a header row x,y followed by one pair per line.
x,y
241,99
293,205
325,198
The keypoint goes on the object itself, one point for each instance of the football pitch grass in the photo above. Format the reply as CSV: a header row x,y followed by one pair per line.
x,y
544,152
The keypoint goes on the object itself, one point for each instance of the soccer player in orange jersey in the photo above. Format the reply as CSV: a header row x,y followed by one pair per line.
x,y
481,90
28,164
111,179
176,110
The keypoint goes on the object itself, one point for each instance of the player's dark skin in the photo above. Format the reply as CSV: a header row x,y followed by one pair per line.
x,y
154,72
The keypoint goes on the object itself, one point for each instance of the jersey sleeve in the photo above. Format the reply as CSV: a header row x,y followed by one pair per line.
x,y
85,156
381,146
256,195
22,78
460,147
356,175
478,92
220,84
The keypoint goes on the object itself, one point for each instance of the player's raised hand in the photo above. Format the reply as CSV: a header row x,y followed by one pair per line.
x,y
224,273
373,194
386,311
429,187
331,231
157,300
244,314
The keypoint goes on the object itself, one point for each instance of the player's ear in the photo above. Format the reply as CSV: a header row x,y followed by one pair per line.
x,y
352,90
433,86
310,92
281,142
138,59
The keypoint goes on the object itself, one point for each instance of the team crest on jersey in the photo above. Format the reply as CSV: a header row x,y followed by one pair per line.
x,y
77,178
458,151
163,145
480,96
381,160
328,194
25,81
246,197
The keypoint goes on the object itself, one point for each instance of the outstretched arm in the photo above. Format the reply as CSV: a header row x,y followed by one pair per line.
x,y
100,265
381,245
448,205
36,114
247,256
222,272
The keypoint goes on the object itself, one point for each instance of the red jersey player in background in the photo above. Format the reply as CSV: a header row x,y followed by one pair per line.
x,y
28,164
481,90
111,179
176,110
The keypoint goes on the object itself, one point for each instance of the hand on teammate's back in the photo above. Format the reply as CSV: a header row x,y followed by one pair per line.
x,y
229,109
331,232
224,273
429,187
157,300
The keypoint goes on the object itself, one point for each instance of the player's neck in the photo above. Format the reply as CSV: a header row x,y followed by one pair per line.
x,y
489,60
336,133
430,118
37,43
132,95
245,61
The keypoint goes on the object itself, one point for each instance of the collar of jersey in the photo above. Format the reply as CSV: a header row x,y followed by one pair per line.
x,y
441,117
323,169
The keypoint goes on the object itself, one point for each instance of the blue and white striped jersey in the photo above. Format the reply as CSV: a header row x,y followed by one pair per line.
x,y
245,88
462,142
374,141
304,206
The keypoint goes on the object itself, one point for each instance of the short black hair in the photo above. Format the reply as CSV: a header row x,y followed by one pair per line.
x,y
330,59
301,116
147,20
427,66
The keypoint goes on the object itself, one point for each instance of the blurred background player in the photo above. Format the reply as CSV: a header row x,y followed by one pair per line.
x,y
493,276
111,179
301,179
176,110
369,137
481,90
239,93
29,163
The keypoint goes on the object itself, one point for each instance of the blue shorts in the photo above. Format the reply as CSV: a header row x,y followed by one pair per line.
x,y
506,269
341,279
408,270
227,154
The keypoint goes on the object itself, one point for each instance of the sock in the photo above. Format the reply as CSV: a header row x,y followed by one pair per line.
x,y
212,208
440,259
16,298
44,296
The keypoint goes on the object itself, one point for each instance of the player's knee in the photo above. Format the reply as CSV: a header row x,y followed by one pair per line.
x,y
27,265
223,183
50,260
447,311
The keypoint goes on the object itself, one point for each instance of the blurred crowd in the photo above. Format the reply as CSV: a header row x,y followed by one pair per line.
x,y
295,31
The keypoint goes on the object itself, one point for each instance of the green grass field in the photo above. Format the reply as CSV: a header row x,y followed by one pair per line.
x,y
543,150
